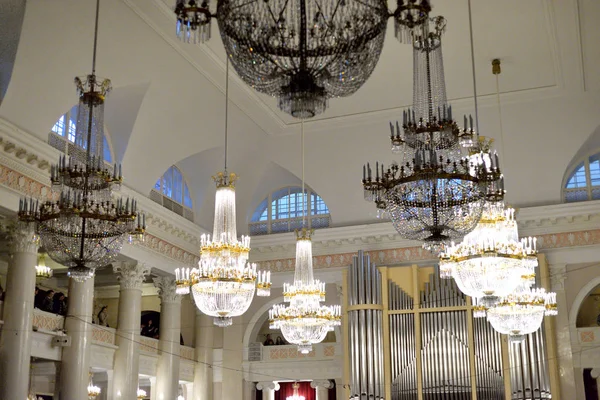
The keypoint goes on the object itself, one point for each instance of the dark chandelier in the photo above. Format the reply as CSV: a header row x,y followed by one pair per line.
x,y
437,193
303,52
84,228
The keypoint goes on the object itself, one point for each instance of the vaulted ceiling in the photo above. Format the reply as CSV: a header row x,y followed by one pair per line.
x,y
168,104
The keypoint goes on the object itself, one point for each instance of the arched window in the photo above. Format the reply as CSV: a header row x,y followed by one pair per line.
x,y
282,211
584,181
171,190
62,135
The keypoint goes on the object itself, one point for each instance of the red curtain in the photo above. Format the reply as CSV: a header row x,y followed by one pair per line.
x,y
285,390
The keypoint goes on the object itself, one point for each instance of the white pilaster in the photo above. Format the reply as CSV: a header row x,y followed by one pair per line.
x,y
268,388
74,376
15,343
322,388
167,374
203,372
126,364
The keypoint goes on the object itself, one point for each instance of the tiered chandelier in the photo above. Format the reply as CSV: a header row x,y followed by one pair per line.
x,y
491,262
520,313
224,283
85,227
93,391
437,193
295,395
305,321
42,271
303,52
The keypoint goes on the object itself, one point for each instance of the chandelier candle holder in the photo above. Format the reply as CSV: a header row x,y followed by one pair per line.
x,y
303,52
305,321
84,229
295,395
42,272
491,262
410,16
520,314
436,194
224,283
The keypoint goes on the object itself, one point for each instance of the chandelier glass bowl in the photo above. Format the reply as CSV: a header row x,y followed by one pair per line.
x,y
491,261
520,314
224,283
305,321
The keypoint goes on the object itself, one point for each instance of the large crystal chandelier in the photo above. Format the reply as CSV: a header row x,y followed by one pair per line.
x,y
521,313
303,52
42,272
437,192
305,321
224,283
85,227
491,262
93,391
295,395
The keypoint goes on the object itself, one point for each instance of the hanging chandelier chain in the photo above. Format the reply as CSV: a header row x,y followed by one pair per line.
x,y
304,205
95,37
497,73
226,105
473,66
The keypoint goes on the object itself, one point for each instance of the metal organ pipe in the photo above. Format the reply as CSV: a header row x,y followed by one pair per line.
x,y
365,330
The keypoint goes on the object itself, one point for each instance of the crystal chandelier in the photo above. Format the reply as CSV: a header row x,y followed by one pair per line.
x,y
92,390
491,261
295,395
521,313
85,227
224,283
141,394
42,272
303,52
305,321
437,192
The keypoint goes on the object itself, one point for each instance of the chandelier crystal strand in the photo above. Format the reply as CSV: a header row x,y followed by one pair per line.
x,y
491,262
84,229
437,192
305,321
224,283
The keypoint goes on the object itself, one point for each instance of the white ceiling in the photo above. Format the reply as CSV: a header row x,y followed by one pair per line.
x,y
168,104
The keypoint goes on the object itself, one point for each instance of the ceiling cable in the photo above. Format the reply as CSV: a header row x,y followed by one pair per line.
x,y
473,66
496,70
226,104
95,37
304,206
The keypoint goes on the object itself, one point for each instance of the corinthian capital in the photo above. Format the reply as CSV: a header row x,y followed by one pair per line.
x,y
166,289
23,238
131,275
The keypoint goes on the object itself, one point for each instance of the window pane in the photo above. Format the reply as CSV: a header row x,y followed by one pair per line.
x,y
177,186
264,216
595,170
107,155
578,179
318,205
187,200
59,126
157,185
168,182
73,125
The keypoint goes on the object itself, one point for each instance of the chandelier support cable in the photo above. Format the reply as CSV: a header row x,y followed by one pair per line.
x,y
95,37
473,66
226,105
496,71
304,205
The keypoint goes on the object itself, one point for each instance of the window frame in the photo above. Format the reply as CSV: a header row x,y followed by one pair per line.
x,y
159,192
271,205
589,188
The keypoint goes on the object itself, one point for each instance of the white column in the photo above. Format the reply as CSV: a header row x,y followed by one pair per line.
x,y
153,388
322,387
203,372
233,357
15,342
595,373
249,391
74,375
127,360
167,372
268,388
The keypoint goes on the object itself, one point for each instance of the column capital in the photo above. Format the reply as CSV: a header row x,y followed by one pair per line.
x,y
324,383
268,385
558,275
131,275
23,238
166,289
